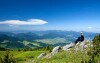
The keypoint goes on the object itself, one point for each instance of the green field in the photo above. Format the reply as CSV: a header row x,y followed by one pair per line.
x,y
53,41
21,56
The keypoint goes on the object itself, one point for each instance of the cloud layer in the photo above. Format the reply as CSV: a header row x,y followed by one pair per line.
x,y
27,22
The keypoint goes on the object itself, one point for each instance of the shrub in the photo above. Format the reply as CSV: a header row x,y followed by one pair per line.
x,y
96,44
7,58
95,50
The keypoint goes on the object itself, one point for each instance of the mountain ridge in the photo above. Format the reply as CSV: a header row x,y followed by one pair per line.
x,y
41,38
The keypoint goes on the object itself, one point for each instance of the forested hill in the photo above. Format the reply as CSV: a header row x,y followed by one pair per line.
x,y
34,39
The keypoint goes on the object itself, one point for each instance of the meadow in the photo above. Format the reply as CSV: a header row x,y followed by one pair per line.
x,y
71,56
20,56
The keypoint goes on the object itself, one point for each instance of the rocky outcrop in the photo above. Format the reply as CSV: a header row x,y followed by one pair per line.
x,y
79,46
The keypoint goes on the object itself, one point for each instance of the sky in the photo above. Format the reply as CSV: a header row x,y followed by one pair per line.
x,y
70,15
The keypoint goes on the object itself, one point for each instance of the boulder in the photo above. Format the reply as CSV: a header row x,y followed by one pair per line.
x,y
55,50
41,55
68,46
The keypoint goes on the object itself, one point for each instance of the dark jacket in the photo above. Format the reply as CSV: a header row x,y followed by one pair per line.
x,y
81,38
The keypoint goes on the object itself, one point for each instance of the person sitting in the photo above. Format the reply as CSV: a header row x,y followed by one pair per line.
x,y
80,39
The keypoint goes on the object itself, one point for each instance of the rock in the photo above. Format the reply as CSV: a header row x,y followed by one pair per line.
x,y
80,46
68,46
55,50
48,55
41,55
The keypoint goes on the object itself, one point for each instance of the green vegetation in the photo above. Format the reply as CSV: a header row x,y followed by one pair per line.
x,y
53,41
23,49
35,39
25,54
95,52
89,55
96,43
20,56
65,57
7,58
71,56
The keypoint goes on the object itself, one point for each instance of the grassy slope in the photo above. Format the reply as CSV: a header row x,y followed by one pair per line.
x,y
61,57
23,55
65,57
71,56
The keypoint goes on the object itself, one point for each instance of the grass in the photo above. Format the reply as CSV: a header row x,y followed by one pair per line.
x,y
71,56
65,57
28,55
21,56
60,57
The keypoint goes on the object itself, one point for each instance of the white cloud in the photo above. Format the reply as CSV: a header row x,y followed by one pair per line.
x,y
89,27
27,22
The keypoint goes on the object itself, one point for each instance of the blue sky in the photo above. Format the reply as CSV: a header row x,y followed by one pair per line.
x,y
76,15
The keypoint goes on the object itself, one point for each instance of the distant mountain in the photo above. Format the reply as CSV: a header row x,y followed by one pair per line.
x,y
34,39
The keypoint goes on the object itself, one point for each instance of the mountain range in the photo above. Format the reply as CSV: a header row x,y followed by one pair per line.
x,y
35,39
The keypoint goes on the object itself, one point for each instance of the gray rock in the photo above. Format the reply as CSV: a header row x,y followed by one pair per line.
x,y
67,47
55,50
41,55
